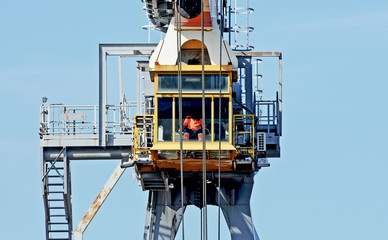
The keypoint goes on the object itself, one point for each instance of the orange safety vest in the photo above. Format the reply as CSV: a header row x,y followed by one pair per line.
x,y
192,123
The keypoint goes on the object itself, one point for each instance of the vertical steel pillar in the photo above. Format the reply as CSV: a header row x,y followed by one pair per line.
x,y
43,185
280,96
102,97
138,89
248,82
246,63
67,191
121,94
102,104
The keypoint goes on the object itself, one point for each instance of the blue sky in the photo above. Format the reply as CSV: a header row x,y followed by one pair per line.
x,y
330,182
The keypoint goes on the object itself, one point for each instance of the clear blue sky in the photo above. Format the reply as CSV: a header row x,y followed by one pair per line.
x,y
331,181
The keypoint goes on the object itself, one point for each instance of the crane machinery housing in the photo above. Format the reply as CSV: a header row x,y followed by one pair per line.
x,y
201,128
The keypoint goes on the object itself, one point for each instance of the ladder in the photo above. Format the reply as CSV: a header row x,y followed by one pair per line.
x,y
56,196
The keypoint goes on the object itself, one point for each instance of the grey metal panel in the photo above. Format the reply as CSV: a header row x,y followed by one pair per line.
x,y
148,85
69,140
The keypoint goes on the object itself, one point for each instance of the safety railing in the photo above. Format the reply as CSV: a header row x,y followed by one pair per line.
x,y
243,130
268,116
59,119
144,129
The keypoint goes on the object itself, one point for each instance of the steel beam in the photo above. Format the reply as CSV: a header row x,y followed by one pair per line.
x,y
87,153
259,54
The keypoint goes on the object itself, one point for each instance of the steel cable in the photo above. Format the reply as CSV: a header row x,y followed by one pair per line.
x,y
219,123
179,35
204,203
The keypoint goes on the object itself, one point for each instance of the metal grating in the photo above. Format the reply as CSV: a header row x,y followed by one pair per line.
x,y
261,144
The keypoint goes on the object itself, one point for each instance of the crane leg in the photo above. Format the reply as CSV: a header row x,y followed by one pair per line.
x,y
237,211
166,216
166,212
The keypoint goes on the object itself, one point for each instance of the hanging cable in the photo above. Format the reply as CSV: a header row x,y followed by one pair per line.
x,y
179,40
204,211
219,121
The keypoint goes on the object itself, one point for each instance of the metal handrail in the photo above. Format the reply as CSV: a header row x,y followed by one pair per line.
x,y
268,114
52,119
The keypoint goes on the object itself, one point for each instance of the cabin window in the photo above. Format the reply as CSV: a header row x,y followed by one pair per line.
x,y
192,119
192,83
164,130
224,133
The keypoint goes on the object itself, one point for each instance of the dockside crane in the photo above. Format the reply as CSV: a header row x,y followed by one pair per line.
x,y
201,130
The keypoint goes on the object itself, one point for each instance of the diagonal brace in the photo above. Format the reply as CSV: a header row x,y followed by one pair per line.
x,y
78,234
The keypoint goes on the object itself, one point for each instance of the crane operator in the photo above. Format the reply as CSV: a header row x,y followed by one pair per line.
x,y
192,127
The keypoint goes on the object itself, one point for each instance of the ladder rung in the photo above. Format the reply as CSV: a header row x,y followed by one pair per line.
x,y
55,184
56,207
57,223
58,230
54,176
56,199
55,192
57,215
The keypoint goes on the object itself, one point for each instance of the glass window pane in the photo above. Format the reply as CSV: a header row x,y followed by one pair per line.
x,y
164,130
192,82
192,119
168,82
224,133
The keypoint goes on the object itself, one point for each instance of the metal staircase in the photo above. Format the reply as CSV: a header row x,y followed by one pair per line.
x,y
57,197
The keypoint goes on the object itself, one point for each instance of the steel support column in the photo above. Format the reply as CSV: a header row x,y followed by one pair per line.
x,y
246,63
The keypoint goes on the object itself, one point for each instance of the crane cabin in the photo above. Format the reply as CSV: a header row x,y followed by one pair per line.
x,y
164,151
181,63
